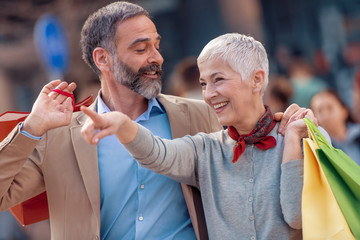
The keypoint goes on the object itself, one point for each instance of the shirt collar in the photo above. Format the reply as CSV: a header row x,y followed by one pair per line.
x,y
153,107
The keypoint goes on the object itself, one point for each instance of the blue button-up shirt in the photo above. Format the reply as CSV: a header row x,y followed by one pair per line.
x,y
137,203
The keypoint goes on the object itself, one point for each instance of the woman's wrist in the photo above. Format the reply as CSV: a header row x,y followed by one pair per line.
x,y
292,147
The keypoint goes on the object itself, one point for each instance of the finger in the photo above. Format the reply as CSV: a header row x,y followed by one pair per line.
x,y
299,114
51,85
87,131
94,116
278,116
310,115
286,117
65,87
69,88
68,104
59,97
101,134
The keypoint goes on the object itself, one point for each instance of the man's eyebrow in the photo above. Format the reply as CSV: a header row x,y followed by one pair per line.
x,y
136,41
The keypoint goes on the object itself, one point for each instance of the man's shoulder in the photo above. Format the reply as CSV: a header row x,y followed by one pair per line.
x,y
182,100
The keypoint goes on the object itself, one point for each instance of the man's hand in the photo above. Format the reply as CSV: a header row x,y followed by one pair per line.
x,y
291,114
51,109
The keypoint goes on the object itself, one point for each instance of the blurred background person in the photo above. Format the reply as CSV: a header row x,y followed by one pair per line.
x,y
184,80
303,80
278,94
334,116
356,97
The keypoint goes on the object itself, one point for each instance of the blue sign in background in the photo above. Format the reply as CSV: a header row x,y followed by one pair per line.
x,y
52,45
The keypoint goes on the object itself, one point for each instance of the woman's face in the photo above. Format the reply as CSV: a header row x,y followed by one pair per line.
x,y
225,91
329,111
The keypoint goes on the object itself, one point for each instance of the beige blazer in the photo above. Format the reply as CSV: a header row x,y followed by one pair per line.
x,y
64,165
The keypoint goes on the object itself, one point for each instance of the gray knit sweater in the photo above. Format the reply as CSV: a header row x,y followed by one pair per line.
x,y
257,197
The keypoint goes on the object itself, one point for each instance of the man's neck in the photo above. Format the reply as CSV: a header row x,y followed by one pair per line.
x,y
119,98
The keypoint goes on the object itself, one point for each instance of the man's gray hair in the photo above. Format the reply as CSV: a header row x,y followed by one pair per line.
x,y
243,53
100,28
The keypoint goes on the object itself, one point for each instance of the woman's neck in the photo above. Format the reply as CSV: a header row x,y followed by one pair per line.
x,y
247,124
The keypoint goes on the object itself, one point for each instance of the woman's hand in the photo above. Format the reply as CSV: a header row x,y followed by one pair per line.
x,y
291,114
295,131
296,124
98,126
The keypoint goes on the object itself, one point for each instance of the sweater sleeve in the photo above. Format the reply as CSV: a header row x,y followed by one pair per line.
x,y
174,158
291,191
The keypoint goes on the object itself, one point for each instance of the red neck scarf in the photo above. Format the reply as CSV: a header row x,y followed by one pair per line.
x,y
258,135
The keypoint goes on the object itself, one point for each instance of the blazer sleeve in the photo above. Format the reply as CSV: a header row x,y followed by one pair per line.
x,y
20,168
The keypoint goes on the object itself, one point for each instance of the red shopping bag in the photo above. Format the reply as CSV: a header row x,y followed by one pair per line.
x,y
35,209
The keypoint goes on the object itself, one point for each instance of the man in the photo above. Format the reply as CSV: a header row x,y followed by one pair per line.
x,y
92,192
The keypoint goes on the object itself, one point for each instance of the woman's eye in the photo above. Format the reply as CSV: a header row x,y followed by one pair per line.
x,y
218,79
202,84
140,50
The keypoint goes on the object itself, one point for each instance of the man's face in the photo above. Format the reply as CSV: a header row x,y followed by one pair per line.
x,y
137,81
137,64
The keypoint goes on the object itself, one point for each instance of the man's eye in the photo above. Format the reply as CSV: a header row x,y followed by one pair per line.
x,y
140,50
218,79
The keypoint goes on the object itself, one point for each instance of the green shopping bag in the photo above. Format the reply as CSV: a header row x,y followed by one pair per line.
x,y
343,175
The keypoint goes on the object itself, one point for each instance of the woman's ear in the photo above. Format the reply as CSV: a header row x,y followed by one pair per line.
x,y
102,59
258,80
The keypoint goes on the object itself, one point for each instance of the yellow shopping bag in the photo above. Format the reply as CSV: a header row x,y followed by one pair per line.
x,y
322,217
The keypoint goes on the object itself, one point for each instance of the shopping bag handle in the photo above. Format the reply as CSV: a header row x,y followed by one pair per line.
x,y
315,134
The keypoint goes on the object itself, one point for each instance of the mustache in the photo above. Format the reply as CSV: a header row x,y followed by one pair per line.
x,y
152,67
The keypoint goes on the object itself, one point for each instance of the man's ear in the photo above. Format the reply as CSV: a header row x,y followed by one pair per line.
x,y
258,80
102,59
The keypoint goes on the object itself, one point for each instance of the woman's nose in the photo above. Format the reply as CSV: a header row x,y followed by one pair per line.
x,y
209,92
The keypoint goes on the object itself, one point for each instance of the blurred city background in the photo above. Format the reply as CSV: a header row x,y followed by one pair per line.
x,y
312,45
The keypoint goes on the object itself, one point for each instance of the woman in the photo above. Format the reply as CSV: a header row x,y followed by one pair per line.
x,y
334,116
250,177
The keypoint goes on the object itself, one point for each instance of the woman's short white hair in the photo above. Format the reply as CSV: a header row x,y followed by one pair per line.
x,y
243,53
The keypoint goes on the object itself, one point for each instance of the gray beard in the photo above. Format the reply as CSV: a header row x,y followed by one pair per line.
x,y
148,88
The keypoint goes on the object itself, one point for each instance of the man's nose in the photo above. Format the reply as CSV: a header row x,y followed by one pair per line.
x,y
156,57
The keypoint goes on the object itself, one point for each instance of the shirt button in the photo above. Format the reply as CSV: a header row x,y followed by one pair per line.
x,y
251,199
252,238
97,237
142,186
251,217
141,218
251,180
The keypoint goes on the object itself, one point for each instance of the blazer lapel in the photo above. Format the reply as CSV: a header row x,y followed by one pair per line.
x,y
178,115
179,119
86,155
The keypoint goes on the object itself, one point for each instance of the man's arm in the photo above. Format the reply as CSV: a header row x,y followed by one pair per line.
x,y
21,154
